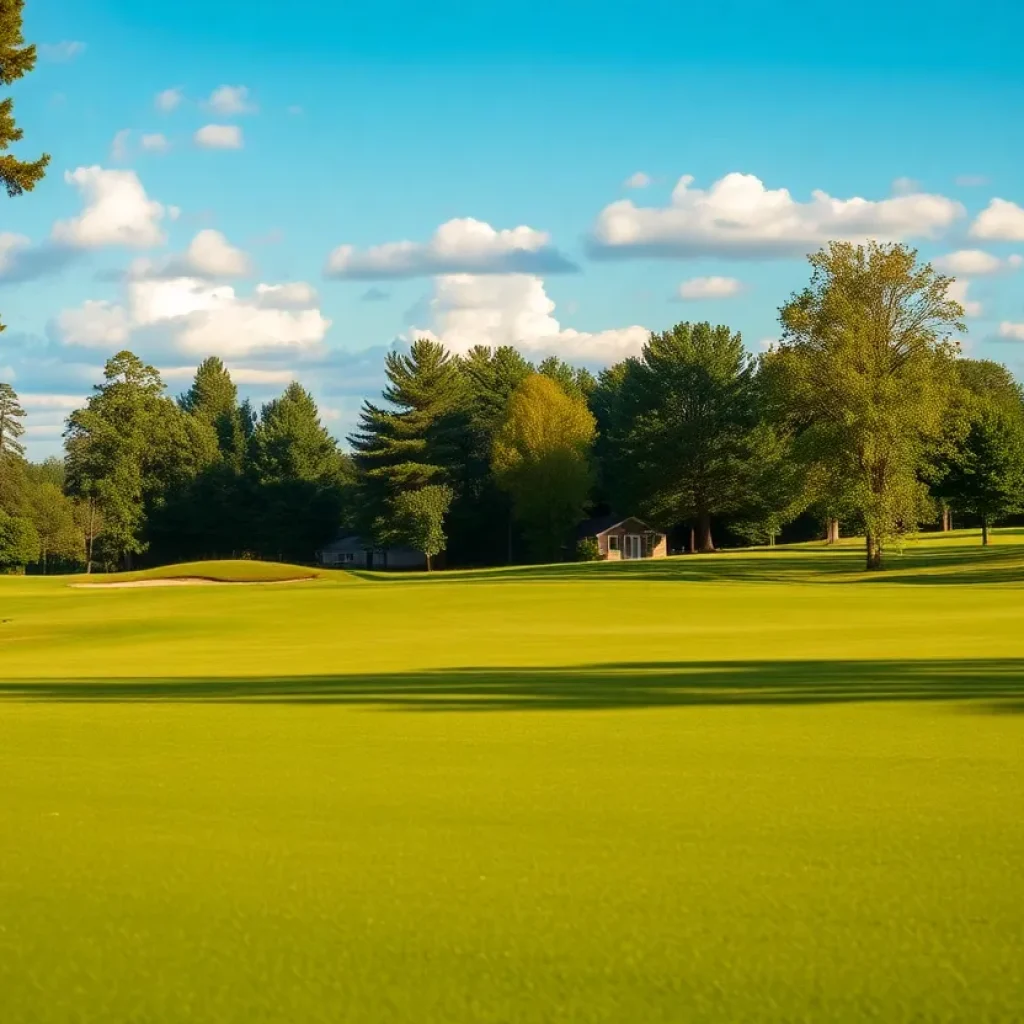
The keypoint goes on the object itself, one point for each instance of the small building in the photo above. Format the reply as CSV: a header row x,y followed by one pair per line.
x,y
619,538
352,552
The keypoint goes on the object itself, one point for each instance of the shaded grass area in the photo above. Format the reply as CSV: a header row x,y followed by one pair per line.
x,y
999,682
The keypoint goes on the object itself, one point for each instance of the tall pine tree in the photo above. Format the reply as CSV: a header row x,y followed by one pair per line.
x,y
11,427
415,440
213,398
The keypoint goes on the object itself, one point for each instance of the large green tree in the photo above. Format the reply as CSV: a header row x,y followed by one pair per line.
x,y
984,474
16,61
419,518
542,458
19,543
867,361
131,446
53,515
679,419
213,398
415,439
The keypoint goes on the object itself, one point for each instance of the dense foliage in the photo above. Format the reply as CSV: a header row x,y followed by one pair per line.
x,y
864,418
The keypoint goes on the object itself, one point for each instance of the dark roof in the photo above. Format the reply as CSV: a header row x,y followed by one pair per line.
x,y
595,527
356,545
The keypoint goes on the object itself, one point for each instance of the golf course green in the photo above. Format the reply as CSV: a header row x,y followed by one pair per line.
x,y
749,787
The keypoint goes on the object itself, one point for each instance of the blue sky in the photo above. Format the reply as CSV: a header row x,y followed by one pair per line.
x,y
514,129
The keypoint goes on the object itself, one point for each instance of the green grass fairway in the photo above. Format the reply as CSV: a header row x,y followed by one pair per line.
x,y
752,787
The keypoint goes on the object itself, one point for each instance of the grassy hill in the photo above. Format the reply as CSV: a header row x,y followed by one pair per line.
x,y
221,571
755,786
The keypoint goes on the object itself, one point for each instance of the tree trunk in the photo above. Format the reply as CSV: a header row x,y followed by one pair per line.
x,y
984,530
947,519
428,563
693,542
874,553
832,531
705,542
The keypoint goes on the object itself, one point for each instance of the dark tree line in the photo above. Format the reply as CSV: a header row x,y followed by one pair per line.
x,y
862,419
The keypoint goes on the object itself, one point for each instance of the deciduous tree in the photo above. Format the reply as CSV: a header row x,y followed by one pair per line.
x,y
542,457
868,362
419,518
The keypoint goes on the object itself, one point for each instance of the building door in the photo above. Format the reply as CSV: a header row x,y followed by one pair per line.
x,y
634,548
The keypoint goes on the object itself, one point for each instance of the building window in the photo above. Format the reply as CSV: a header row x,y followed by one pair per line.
x,y
613,542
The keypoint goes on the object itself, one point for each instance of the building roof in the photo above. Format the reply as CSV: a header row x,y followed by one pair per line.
x,y
354,544
602,524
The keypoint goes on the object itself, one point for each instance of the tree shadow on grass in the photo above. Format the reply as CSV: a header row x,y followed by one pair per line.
x,y
988,684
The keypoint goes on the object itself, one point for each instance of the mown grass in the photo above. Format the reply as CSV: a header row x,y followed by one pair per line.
x,y
221,571
755,787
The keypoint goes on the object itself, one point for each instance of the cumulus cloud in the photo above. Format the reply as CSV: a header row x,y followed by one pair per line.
x,y
192,317
970,180
637,180
738,217
975,263
117,212
61,53
291,295
1000,221
375,294
168,100
230,101
96,323
219,136
710,288
209,256
957,291
463,245
514,309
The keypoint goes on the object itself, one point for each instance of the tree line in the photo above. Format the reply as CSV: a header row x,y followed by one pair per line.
x,y
862,418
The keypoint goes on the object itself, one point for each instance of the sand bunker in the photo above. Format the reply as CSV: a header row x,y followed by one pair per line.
x,y
185,581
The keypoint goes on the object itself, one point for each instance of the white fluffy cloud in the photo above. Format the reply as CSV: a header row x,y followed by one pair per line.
x,y
117,212
1000,221
957,291
1011,331
292,295
514,309
96,323
710,288
168,100
739,217
463,245
975,263
209,256
219,136
192,317
61,53
229,101
637,180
